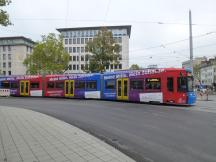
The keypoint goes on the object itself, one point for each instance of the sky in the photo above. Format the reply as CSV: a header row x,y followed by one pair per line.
x,y
159,33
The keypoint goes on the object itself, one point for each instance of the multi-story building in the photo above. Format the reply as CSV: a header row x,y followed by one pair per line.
x,y
196,61
13,51
208,72
75,40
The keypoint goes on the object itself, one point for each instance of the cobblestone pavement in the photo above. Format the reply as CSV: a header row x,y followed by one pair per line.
x,y
28,136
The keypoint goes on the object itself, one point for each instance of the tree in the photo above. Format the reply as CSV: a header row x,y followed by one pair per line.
x,y
134,67
48,57
196,71
4,17
104,51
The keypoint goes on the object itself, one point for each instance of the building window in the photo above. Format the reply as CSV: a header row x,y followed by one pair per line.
x,y
120,66
74,67
78,49
74,40
70,67
77,58
90,39
74,49
9,72
70,41
82,58
82,50
9,48
136,84
4,56
119,39
66,49
4,48
111,66
70,58
66,41
153,84
70,49
4,64
9,56
116,67
78,40
74,58
77,67
120,57
4,72
86,40
82,66
86,57
9,64
82,40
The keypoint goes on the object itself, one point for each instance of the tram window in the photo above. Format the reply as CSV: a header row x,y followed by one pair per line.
x,y
59,85
80,84
182,84
5,85
170,84
92,85
136,84
34,85
50,85
110,84
14,85
153,84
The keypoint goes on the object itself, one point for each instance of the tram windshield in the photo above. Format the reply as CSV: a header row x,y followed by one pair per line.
x,y
185,84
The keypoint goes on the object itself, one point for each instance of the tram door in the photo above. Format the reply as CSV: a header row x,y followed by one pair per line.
x,y
69,88
24,88
122,89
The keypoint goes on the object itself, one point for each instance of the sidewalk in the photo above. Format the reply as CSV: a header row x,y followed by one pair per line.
x,y
28,136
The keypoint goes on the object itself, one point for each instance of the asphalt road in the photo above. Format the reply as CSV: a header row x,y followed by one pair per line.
x,y
144,132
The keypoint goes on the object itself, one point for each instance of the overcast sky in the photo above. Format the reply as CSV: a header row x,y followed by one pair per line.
x,y
155,23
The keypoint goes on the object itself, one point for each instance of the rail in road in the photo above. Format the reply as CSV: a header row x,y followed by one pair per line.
x,y
145,132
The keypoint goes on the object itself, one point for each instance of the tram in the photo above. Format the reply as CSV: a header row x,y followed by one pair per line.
x,y
162,85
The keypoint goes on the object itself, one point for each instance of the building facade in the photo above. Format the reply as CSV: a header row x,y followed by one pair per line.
x,y
208,72
13,51
75,40
196,61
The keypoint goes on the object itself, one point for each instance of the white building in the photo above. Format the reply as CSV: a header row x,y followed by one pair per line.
x,y
208,72
13,51
75,40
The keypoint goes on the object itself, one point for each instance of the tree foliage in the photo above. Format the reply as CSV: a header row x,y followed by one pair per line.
x,y
196,71
134,67
104,51
48,57
4,17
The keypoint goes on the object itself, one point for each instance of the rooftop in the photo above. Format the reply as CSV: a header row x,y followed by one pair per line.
x,y
128,27
15,40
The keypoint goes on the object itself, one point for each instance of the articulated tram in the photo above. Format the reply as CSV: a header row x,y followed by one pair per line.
x,y
164,85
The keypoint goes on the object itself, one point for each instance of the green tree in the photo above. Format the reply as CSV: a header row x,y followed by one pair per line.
x,y
196,71
48,57
134,67
104,51
4,17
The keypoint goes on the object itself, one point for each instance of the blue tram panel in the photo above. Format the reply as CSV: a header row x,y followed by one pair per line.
x,y
108,87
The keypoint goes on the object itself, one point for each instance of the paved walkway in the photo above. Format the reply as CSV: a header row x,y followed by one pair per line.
x,y
28,136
